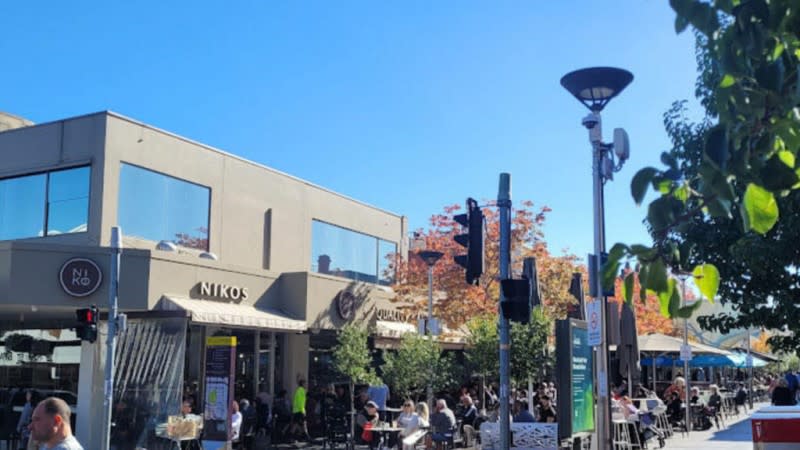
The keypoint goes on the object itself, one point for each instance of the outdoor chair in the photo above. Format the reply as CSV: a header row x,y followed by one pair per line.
x,y
337,432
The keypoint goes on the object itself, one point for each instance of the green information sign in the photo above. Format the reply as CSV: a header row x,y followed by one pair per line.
x,y
582,385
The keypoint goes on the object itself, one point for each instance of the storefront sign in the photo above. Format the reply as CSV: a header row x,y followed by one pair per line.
x,y
222,291
219,376
396,315
80,277
346,305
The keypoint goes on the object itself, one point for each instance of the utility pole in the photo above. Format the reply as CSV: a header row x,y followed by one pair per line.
x,y
111,338
504,206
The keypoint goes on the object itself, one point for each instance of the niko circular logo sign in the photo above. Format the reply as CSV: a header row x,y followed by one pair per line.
x,y
346,305
80,277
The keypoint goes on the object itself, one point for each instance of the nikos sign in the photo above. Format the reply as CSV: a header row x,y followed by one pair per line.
x,y
80,277
223,291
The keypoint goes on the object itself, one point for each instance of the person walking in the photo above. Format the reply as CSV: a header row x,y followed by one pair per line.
x,y
25,420
50,425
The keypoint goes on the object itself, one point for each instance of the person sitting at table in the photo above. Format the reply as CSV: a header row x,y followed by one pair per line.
x,y
628,408
521,412
694,397
443,423
469,411
674,408
410,423
547,414
679,386
365,421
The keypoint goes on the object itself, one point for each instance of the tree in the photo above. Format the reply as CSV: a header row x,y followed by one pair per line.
x,y
351,358
458,301
649,315
417,364
529,355
726,199
483,346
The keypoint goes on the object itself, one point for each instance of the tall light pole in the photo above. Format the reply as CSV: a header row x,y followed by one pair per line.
x,y
686,358
594,88
430,257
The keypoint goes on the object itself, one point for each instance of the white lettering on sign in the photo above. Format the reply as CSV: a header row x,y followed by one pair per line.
x,y
80,277
224,291
396,315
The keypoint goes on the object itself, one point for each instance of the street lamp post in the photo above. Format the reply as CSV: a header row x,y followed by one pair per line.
x,y
430,257
594,88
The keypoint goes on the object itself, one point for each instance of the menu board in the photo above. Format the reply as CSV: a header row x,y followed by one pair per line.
x,y
219,382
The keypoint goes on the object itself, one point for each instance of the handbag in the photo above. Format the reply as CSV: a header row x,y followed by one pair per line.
x,y
366,435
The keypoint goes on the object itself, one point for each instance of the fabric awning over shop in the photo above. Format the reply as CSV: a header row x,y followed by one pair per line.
x,y
232,314
385,328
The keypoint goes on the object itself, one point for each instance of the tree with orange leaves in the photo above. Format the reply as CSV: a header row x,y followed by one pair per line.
x,y
649,317
455,302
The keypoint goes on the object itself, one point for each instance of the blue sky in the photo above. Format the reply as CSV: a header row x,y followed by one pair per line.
x,y
408,105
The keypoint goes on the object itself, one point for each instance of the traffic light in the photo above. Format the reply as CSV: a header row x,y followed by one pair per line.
x,y
87,323
472,240
516,304
521,296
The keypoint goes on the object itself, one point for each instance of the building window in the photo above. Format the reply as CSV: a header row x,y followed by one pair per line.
x,y
44,204
345,253
158,207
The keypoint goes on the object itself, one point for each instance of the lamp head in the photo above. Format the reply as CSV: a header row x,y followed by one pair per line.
x,y
596,86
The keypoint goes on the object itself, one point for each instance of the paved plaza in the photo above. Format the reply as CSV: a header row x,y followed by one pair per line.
x,y
736,435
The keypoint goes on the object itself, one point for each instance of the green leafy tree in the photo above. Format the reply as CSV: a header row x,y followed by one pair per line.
x,y
483,346
352,359
418,363
529,357
726,196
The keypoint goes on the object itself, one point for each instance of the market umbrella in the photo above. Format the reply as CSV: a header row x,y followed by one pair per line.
x,y
628,348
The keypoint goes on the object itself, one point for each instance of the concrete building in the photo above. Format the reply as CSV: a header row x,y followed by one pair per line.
x,y
214,245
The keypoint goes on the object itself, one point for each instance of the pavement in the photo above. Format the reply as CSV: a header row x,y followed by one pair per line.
x,y
736,435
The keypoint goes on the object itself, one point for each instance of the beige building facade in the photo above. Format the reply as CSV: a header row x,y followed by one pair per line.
x,y
216,244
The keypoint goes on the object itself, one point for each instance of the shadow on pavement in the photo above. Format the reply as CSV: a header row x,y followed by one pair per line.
x,y
737,432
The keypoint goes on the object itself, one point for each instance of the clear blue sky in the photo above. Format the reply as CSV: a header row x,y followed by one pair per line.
x,y
406,105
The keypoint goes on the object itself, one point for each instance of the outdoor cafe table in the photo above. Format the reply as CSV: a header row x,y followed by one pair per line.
x,y
385,432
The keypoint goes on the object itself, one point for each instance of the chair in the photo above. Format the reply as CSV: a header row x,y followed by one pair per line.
x,y
621,437
337,431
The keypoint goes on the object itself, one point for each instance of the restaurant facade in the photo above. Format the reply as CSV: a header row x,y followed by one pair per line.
x,y
213,245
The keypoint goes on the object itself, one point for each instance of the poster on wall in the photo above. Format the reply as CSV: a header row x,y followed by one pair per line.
x,y
574,372
219,383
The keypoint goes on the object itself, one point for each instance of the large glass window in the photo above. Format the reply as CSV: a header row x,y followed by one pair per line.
x,y
158,207
44,204
346,253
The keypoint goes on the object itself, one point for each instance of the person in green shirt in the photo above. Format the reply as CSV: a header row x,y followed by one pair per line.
x,y
298,424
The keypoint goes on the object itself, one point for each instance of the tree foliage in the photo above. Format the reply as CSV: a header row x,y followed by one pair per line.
x,y
417,363
529,356
726,197
457,302
351,355
649,315
483,346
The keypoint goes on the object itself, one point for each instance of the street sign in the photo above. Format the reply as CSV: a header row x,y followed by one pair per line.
x,y
594,323
686,352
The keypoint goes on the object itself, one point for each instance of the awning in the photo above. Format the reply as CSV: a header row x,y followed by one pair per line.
x,y
384,328
232,314
660,343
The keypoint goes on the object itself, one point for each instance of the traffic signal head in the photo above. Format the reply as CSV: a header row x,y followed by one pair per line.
x,y
472,261
516,304
86,328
